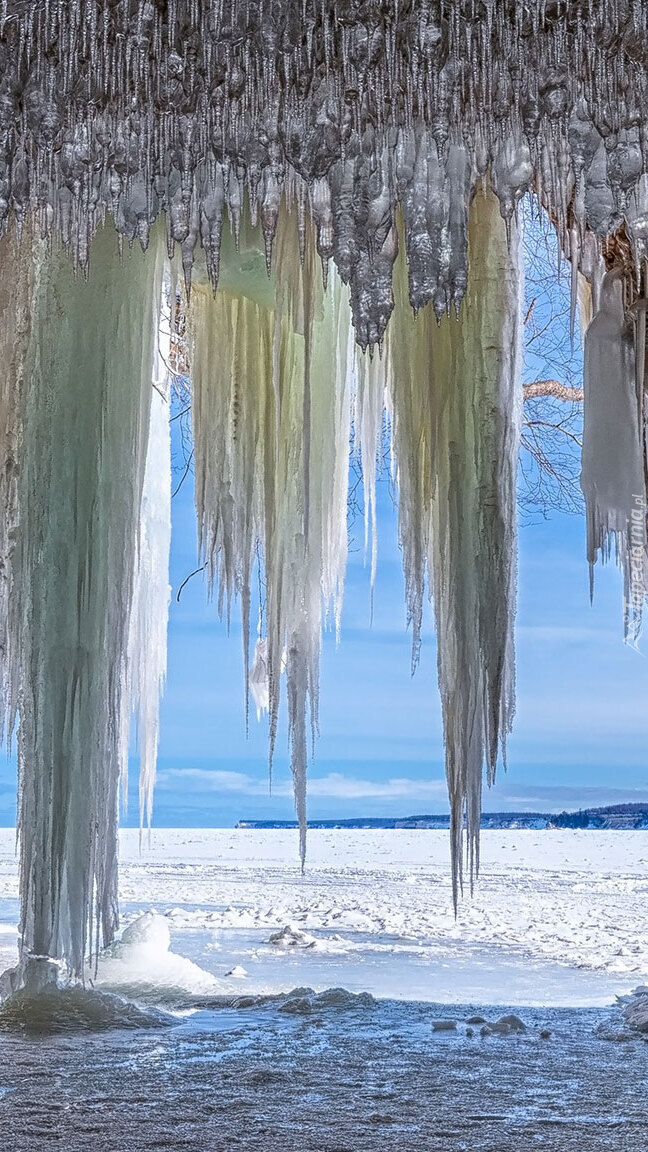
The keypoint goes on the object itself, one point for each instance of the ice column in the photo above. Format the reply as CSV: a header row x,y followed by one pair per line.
x,y
456,413
18,267
86,403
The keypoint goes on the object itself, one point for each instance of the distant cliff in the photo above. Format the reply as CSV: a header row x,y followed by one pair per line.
x,y
621,816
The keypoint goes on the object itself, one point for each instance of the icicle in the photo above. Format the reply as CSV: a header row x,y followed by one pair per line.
x,y
150,610
410,128
307,97
370,403
86,402
574,260
18,272
612,478
252,360
456,402
259,684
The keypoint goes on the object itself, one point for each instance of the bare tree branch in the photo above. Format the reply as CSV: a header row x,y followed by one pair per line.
x,y
554,389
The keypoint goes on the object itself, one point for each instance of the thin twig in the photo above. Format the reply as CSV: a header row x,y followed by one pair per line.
x,y
188,578
184,474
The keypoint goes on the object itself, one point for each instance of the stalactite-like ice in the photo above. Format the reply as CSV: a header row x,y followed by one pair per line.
x,y
272,372
271,410
368,426
456,404
336,131
87,388
17,279
613,466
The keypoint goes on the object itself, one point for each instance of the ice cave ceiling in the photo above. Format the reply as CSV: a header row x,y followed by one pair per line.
x,y
348,108
339,182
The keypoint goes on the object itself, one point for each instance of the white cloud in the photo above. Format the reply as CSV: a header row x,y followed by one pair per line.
x,y
507,795
355,788
208,780
335,785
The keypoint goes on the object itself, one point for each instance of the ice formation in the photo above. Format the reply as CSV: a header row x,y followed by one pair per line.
x,y
271,410
456,402
329,166
82,388
141,966
613,452
150,608
349,106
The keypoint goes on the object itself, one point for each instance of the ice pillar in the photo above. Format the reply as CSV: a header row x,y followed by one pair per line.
x,y
85,404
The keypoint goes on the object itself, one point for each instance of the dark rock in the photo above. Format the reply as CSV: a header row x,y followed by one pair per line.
x,y
513,1022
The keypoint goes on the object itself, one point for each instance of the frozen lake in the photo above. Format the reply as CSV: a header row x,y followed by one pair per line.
x,y
558,917
557,928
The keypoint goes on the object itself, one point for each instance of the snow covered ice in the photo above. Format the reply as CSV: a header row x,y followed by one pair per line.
x,y
373,912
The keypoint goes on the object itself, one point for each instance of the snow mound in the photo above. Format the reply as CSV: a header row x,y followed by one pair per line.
x,y
237,972
142,966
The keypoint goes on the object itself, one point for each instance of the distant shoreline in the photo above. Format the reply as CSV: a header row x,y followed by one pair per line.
x,y
624,817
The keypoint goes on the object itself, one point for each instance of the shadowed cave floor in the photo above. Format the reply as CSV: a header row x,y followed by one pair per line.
x,y
366,1079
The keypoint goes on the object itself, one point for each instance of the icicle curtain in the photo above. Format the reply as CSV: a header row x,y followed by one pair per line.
x,y
271,409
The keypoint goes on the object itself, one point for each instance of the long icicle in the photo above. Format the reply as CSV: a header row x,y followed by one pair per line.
x,y
18,271
150,610
612,477
456,402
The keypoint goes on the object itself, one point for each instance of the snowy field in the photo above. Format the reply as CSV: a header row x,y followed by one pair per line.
x,y
558,917
237,1044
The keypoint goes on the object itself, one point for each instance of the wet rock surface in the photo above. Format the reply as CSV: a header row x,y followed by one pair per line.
x,y
260,1078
